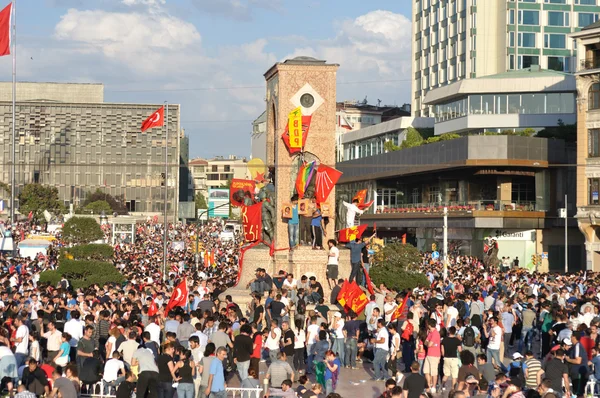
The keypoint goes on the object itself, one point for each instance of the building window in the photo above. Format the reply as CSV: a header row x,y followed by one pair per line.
x,y
585,19
555,41
556,1
594,143
387,197
435,194
586,2
558,18
511,17
527,40
593,188
594,96
511,39
215,168
227,169
525,61
557,63
529,17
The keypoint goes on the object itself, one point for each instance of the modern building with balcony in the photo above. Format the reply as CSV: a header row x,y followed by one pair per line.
x,y
456,40
588,140
506,187
530,98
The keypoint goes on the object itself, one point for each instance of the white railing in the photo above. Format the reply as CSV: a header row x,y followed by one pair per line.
x,y
97,390
244,392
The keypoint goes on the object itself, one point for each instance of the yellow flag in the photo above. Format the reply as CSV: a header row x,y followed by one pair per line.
x,y
295,128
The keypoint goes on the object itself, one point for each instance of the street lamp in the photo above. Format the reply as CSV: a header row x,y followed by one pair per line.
x,y
197,232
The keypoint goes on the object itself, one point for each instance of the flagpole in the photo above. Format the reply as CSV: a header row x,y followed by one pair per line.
x,y
14,100
166,190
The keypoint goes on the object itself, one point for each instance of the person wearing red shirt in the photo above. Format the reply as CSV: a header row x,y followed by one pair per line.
x,y
257,340
432,360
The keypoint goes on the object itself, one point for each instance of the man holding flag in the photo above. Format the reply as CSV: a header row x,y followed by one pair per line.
x,y
356,248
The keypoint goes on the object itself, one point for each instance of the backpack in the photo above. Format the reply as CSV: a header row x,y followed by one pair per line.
x,y
462,309
469,337
301,306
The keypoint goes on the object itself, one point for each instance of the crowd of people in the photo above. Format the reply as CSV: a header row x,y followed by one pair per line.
x,y
495,332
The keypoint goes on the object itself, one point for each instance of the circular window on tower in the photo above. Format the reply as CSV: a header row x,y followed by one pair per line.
x,y
307,100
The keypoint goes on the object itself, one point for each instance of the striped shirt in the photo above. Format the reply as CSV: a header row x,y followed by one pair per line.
x,y
533,368
279,371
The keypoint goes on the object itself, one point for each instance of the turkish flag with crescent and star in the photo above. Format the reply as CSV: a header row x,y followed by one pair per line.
x,y
157,119
179,297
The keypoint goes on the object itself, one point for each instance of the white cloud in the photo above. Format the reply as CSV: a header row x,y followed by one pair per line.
x,y
237,9
144,2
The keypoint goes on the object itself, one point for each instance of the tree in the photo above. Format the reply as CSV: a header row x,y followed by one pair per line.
x,y
83,273
389,146
5,187
397,266
115,205
200,202
82,230
98,207
36,198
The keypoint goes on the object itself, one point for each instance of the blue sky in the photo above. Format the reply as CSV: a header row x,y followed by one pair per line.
x,y
150,51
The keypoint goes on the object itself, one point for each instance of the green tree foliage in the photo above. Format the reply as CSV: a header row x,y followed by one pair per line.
x,y
397,266
567,132
226,184
80,230
36,198
88,252
99,195
5,187
200,202
389,146
84,273
98,207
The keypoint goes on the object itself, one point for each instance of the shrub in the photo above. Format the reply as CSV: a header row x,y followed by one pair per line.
x,y
398,256
51,277
84,273
81,230
88,252
397,279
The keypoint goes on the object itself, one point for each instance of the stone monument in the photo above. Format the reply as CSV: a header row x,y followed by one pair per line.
x,y
307,84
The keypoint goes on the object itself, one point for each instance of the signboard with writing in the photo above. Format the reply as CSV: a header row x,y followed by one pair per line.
x,y
295,128
514,234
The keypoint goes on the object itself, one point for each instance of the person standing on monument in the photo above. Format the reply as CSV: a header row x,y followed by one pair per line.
x,y
332,263
318,230
294,224
352,209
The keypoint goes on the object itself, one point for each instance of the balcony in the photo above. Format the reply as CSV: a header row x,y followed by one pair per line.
x,y
589,64
457,208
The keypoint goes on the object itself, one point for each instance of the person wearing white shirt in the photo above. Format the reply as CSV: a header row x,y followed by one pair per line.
x,y
388,308
114,372
338,342
382,347
352,209
34,306
371,305
22,341
272,342
153,329
75,328
312,332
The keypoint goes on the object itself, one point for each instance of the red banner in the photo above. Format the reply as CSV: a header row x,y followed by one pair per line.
x,y
252,220
239,189
327,177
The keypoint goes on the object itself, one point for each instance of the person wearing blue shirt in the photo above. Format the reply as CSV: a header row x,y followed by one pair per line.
x,y
216,379
356,257
318,230
294,224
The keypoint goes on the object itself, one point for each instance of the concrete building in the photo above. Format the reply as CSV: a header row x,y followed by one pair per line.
x,y
258,138
354,115
529,98
588,140
370,141
462,39
506,187
214,173
67,137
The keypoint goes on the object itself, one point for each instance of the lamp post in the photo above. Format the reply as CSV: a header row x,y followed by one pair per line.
x,y
445,243
197,232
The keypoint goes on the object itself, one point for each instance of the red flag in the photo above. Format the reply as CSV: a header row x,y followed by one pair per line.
x,y
400,309
153,309
179,297
361,196
157,119
30,215
327,177
374,227
252,221
239,189
342,295
350,234
5,17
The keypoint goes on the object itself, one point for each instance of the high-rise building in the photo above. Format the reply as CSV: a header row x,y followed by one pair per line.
x,y
461,39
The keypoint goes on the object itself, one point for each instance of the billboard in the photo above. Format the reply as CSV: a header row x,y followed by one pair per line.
x,y
218,202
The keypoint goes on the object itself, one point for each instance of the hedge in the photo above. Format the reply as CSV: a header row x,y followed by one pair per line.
x,y
83,273
397,279
88,252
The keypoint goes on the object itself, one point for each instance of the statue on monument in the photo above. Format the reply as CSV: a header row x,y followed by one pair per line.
x,y
340,210
265,195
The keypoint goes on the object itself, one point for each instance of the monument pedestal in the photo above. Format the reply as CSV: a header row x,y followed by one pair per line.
x,y
302,261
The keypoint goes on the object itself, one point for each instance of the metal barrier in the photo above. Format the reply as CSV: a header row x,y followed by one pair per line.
x,y
97,390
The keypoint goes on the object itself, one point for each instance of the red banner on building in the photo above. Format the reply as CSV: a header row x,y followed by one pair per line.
x,y
252,221
239,189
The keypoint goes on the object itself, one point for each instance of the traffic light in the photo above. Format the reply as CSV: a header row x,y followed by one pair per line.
x,y
536,259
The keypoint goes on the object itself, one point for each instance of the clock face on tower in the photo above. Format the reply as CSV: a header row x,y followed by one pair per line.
x,y
307,100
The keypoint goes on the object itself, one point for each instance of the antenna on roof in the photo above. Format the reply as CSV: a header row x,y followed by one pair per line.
x,y
378,103
365,102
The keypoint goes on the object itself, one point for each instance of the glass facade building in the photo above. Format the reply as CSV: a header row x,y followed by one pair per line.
x,y
463,39
81,147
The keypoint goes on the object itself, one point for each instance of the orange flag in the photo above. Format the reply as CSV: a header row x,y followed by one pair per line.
x,y
342,295
400,309
350,234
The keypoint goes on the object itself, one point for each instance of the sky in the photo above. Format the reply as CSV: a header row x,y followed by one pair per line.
x,y
210,55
